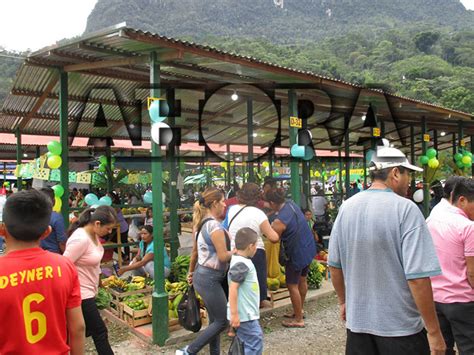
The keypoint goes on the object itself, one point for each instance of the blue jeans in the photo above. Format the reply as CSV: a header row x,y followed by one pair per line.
x,y
250,333
208,283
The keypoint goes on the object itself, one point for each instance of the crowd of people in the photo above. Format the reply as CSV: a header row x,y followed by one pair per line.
x,y
405,284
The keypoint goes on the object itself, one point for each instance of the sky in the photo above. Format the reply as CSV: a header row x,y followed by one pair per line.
x,y
34,24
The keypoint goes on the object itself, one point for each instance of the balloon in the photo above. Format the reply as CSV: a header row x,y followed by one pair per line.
x,y
317,174
54,161
298,151
466,160
308,153
103,159
58,190
276,174
433,163
95,205
148,197
55,147
431,153
91,199
154,110
105,201
469,154
457,156
459,164
424,160
232,163
161,130
57,204
418,196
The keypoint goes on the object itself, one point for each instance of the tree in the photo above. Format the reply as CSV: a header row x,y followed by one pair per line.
x,y
425,40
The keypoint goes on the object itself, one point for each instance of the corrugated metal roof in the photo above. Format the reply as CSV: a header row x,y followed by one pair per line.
x,y
194,64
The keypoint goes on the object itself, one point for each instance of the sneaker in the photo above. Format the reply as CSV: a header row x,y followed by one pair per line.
x,y
183,351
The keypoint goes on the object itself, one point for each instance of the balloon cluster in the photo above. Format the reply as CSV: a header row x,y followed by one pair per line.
x,y
430,159
103,163
54,155
463,159
93,201
58,193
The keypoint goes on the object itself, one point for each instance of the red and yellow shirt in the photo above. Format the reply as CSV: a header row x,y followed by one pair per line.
x,y
36,288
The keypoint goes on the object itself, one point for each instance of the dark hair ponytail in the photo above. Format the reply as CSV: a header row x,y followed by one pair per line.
x,y
103,214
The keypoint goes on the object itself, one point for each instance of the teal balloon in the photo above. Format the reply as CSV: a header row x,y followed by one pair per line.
x,y
154,110
55,147
297,151
460,164
105,201
58,190
103,159
148,197
91,199
457,156
424,160
308,153
431,153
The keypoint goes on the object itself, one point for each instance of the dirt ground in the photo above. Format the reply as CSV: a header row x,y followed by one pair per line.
x,y
324,334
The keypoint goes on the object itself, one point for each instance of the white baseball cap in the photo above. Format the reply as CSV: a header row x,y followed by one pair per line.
x,y
388,157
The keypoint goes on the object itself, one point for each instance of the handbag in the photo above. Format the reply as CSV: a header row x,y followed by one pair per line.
x,y
236,347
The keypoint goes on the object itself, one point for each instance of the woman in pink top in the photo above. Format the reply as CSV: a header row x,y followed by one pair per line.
x,y
85,250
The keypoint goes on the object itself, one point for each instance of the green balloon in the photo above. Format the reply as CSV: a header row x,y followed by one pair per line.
x,y
457,156
460,164
55,147
103,159
469,154
424,160
431,153
58,190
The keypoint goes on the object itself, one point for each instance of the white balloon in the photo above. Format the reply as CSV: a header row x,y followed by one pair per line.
x,y
155,131
418,195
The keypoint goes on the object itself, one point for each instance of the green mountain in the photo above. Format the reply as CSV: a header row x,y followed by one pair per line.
x,y
281,21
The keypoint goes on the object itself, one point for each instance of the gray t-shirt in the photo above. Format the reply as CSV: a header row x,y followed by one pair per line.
x,y
381,240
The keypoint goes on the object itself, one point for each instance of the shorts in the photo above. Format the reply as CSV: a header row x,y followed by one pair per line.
x,y
293,275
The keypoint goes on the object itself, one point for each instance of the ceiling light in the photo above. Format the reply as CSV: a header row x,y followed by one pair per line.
x,y
25,155
442,134
234,96
363,118
132,126
255,135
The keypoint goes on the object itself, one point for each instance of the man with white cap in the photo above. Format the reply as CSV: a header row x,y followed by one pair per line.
x,y
381,257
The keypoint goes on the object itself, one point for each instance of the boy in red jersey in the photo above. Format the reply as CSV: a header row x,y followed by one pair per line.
x,y
39,291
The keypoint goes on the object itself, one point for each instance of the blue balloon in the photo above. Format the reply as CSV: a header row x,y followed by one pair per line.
x,y
154,110
148,197
105,201
308,153
297,151
91,199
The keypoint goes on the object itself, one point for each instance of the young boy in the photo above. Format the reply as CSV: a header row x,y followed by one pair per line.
x,y
244,295
39,291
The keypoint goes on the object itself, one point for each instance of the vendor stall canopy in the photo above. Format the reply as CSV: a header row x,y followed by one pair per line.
x,y
110,68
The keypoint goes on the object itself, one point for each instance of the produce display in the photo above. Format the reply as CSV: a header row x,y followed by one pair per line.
x,y
103,299
315,275
179,268
135,283
136,302
274,283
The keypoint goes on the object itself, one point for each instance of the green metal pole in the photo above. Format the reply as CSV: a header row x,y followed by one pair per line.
x,y
250,139
306,173
412,156
63,135
270,162
228,166
347,181
365,168
426,190
18,157
159,297
174,164
109,171
294,163
341,190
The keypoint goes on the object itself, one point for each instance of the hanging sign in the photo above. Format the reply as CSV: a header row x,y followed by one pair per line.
x,y
462,143
41,174
376,132
426,137
83,178
296,122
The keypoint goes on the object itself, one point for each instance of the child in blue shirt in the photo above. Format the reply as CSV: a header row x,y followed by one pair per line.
x,y
244,295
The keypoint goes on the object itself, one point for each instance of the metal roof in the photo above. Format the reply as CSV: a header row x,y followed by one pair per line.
x,y
118,57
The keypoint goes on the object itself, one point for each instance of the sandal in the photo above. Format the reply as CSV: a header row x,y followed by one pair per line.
x,y
292,315
292,324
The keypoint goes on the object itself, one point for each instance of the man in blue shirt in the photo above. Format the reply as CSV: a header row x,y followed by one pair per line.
x,y
56,241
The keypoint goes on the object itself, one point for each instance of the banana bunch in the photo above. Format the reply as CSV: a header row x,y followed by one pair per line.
x,y
137,283
176,288
180,267
114,282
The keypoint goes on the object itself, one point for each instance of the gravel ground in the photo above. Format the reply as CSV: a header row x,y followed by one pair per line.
x,y
324,334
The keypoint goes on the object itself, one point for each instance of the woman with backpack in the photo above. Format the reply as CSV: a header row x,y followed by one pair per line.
x,y
208,268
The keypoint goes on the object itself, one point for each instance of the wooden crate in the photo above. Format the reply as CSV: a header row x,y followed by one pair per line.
x,y
117,305
136,318
278,295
